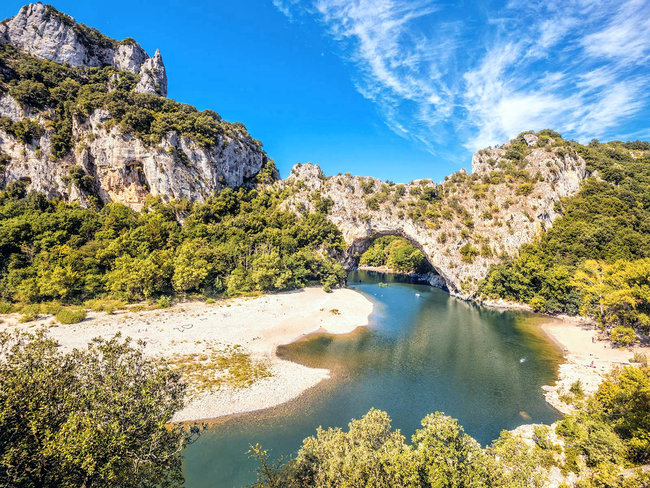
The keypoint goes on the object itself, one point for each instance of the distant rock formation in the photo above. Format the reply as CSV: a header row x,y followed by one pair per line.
x,y
44,32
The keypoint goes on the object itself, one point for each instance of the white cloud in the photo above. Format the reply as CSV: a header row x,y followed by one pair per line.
x,y
625,38
571,65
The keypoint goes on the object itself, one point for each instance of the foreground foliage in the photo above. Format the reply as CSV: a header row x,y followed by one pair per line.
x,y
92,418
607,434
371,454
238,241
610,431
594,258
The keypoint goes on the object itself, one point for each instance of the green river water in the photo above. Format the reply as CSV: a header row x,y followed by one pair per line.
x,y
419,354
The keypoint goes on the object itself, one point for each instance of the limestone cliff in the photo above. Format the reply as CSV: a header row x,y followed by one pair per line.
x,y
42,31
461,225
85,152
125,169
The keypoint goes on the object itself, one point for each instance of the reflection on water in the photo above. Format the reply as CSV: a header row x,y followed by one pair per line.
x,y
423,351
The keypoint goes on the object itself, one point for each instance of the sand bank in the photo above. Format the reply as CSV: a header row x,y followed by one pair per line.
x,y
258,325
585,360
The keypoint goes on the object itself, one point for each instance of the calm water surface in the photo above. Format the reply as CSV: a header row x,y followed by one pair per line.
x,y
418,355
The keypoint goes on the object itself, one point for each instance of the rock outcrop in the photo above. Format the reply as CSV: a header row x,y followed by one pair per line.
x,y
122,167
469,222
125,169
42,31
153,78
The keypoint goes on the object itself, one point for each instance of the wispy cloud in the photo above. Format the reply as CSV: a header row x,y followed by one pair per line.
x,y
579,66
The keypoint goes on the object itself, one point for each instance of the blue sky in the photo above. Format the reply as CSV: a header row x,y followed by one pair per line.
x,y
393,88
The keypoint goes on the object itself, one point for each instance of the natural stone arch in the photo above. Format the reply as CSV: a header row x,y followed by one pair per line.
x,y
495,217
354,252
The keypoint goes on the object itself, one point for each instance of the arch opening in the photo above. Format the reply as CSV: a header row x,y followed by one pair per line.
x,y
393,252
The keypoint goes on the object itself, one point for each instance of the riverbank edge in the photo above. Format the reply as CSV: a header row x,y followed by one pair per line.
x,y
256,326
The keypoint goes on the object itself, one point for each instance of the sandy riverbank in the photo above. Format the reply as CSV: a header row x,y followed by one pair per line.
x,y
259,325
585,360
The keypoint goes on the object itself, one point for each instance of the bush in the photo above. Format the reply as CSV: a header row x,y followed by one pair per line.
x,y
164,302
625,336
96,416
68,316
577,390
640,358
468,253
28,317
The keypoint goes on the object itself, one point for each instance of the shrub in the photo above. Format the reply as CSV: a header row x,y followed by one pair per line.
x,y
468,253
525,189
624,336
164,302
577,390
28,317
640,358
68,316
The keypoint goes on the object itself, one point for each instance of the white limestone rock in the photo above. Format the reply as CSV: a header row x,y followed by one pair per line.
x,y
12,109
153,78
43,32
516,220
126,170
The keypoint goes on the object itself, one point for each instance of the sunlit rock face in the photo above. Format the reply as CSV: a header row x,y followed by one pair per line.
x,y
123,168
464,211
42,31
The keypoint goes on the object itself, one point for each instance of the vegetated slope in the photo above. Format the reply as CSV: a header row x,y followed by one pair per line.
x,y
595,258
90,133
397,254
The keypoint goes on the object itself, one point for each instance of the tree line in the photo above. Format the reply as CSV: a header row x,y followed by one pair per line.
x,y
238,241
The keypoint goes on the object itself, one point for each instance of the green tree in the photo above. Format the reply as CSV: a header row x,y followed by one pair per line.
x,y
93,417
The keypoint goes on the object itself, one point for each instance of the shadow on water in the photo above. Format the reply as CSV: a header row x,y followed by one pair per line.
x,y
420,354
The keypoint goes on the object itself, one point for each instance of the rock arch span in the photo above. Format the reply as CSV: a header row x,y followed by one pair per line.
x,y
357,247
462,225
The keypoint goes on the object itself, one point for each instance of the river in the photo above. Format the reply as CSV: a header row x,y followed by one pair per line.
x,y
423,351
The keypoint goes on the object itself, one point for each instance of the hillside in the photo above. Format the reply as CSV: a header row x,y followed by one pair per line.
x,y
84,118
462,225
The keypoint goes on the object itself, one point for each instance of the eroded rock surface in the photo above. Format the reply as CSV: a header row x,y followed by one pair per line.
x,y
125,169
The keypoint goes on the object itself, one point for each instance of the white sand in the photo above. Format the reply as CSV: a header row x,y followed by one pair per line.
x,y
258,324
575,337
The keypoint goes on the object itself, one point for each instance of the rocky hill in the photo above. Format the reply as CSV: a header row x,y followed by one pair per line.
x,y
42,31
462,225
84,117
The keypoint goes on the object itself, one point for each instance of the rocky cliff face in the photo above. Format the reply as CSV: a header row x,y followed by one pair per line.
x,y
126,170
42,31
463,225
122,168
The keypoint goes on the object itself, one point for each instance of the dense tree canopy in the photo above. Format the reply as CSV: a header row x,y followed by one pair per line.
x,y
238,241
605,227
396,253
